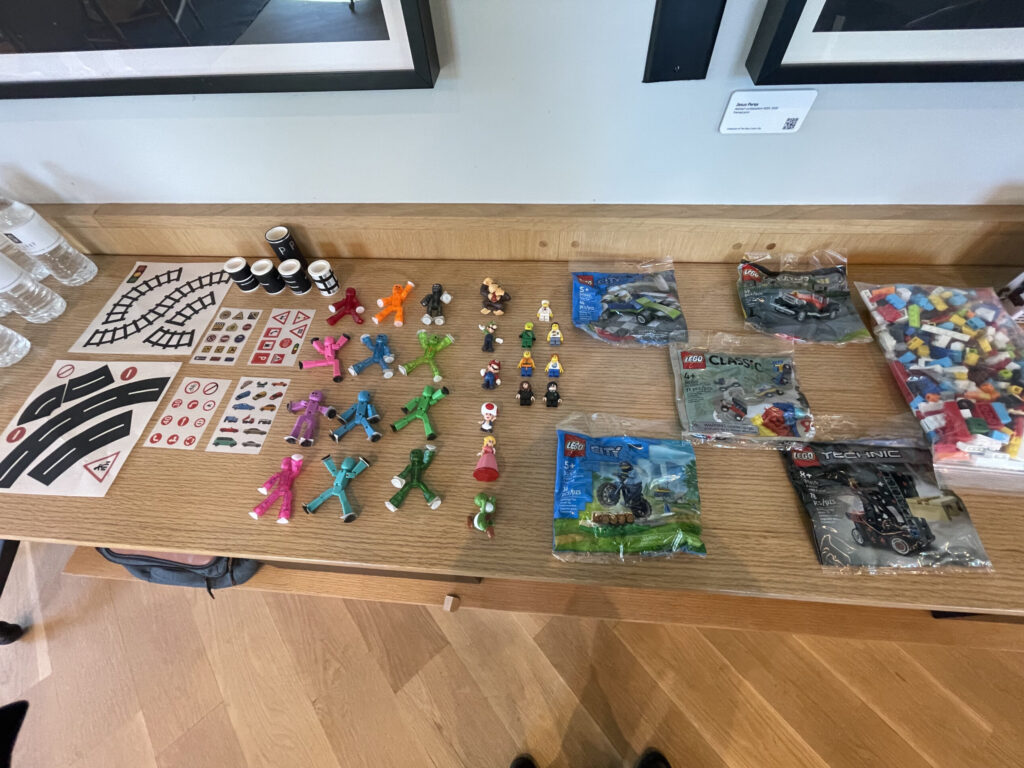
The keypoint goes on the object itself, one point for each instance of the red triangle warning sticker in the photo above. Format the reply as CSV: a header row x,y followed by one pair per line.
x,y
300,316
100,468
300,331
282,317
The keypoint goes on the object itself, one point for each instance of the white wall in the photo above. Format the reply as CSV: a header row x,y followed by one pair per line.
x,y
538,101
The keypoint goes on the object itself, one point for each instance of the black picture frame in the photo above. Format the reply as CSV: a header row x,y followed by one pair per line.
x,y
764,63
683,36
422,45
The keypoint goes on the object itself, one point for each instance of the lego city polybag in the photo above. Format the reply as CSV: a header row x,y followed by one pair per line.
x,y
879,507
622,493
740,388
956,355
801,297
627,303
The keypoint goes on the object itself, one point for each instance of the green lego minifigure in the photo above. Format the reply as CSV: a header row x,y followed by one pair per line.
x,y
417,409
431,344
527,336
484,519
412,477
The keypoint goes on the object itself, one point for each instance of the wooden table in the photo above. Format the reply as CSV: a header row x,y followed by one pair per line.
x,y
757,536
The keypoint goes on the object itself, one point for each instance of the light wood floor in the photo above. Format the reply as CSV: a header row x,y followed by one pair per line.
x,y
130,674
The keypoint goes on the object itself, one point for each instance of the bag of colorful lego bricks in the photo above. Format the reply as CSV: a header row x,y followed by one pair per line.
x,y
799,297
741,388
956,355
627,303
621,496
877,507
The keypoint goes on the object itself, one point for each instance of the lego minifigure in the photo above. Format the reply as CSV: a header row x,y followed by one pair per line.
x,y
304,430
494,297
283,480
555,335
412,477
361,413
380,354
490,338
328,347
431,344
551,395
483,520
490,413
342,475
525,394
544,313
393,303
554,368
526,363
417,409
487,467
433,303
348,306
491,375
527,337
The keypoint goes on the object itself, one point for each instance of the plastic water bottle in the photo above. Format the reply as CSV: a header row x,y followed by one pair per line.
x,y
13,347
22,259
33,235
26,296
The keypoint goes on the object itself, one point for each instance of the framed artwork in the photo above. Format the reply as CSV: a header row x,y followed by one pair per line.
x,y
888,41
117,47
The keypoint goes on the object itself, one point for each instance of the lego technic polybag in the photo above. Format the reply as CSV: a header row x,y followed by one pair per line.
x,y
620,496
633,304
801,297
739,387
879,507
956,355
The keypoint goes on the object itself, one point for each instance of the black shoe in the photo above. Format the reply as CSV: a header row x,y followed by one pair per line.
x,y
652,758
523,761
9,633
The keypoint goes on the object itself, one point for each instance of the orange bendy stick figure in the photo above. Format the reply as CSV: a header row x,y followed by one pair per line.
x,y
393,303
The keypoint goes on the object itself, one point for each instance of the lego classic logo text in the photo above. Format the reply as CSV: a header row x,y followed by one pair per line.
x,y
693,361
575,447
585,280
804,458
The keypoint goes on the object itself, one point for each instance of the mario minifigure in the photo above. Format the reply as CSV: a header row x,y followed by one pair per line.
x,y
431,344
283,480
433,303
526,363
554,368
527,337
380,354
412,477
361,413
393,303
551,397
491,375
483,520
544,313
304,430
328,347
350,305
494,297
490,336
342,475
417,409
555,335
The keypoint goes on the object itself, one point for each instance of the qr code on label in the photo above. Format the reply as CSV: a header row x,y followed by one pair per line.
x,y
790,124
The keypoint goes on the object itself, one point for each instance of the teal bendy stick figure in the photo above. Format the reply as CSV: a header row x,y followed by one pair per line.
x,y
412,477
417,409
342,475
431,344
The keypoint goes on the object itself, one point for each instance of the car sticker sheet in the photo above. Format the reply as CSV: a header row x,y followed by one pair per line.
x,y
188,413
249,415
224,340
279,343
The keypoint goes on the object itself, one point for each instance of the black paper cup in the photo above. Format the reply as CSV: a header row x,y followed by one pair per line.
x,y
284,245
268,276
323,278
294,276
238,270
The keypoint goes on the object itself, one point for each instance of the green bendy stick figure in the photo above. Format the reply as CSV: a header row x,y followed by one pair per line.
x,y
417,409
431,344
412,477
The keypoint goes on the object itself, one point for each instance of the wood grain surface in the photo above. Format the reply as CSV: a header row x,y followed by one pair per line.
x,y
757,536
874,234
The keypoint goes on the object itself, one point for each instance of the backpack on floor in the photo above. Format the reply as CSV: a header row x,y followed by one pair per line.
x,y
178,569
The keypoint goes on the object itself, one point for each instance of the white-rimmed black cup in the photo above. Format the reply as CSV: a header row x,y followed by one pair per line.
x,y
268,276
323,278
294,276
284,245
238,270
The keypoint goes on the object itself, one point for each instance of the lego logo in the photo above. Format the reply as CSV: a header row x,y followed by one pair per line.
x,y
575,447
804,458
693,361
586,280
750,273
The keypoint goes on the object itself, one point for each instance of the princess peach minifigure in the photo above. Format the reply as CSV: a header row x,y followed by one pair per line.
x,y
487,467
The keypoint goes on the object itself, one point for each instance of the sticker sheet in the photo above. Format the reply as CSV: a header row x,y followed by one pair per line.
x,y
224,340
278,346
158,309
78,426
187,415
249,415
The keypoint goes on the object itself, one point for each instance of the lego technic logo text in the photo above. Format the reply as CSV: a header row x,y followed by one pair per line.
x,y
574,447
585,280
693,361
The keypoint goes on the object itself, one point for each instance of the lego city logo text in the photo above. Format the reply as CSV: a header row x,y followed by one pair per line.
x,y
575,447
693,361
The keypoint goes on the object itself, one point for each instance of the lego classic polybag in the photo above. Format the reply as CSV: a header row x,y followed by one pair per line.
x,y
620,495
802,297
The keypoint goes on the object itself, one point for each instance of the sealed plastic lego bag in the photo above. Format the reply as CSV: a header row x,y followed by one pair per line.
x,y
956,355
628,303
877,506
619,495
802,297
732,386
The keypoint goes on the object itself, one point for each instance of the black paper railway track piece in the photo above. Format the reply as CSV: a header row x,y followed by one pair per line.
x,y
120,310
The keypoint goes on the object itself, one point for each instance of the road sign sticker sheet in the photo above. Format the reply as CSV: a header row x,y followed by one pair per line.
x,y
249,415
78,426
227,335
188,413
158,309
279,344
